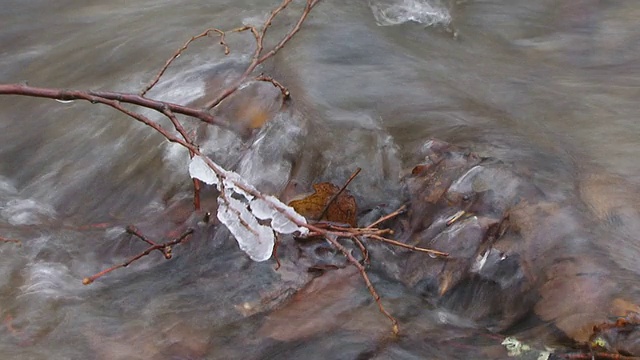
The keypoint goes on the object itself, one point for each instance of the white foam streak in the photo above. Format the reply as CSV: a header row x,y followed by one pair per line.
x,y
394,12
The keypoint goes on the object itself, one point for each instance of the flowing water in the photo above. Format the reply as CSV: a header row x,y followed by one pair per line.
x,y
548,86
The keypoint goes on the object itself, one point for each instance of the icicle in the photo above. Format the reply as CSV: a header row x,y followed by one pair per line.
x,y
254,239
240,214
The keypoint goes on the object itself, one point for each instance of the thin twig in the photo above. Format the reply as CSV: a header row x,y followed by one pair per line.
x,y
6,240
180,129
176,124
596,356
410,247
335,196
104,97
333,239
115,100
257,58
164,247
400,210
285,92
134,231
179,52
349,231
307,9
196,194
363,249
275,253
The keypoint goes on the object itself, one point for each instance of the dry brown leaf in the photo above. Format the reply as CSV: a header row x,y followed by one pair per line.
x,y
342,210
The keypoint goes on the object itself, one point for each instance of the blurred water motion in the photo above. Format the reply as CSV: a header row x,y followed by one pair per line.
x,y
551,89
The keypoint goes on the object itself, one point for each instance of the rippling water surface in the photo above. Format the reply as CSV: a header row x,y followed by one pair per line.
x,y
550,87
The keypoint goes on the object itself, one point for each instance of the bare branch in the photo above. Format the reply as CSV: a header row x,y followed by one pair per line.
x,y
387,217
307,9
165,248
333,239
285,92
179,128
104,96
169,110
6,240
258,57
179,52
410,247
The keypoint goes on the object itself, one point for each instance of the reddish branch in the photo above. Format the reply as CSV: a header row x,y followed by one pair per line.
x,y
107,98
180,129
6,240
410,247
400,210
179,52
333,239
164,248
258,56
169,110
285,92
275,253
596,356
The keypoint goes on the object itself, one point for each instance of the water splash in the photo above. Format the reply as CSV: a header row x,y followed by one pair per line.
x,y
394,12
49,280
26,212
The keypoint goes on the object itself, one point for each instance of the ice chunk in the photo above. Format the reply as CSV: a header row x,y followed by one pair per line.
x,y
283,225
233,180
280,215
394,12
261,209
253,238
240,214
198,169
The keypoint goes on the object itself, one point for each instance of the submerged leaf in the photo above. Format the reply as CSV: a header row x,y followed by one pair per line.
x,y
342,210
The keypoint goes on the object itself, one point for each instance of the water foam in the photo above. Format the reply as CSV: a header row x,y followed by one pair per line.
x,y
394,12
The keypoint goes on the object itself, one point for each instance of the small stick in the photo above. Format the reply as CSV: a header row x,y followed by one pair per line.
x,y
96,226
4,239
176,124
178,52
338,228
335,196
455,217
275,253
180,129
411,247
363,249
596,355
134,231
333,239
196,194
112,99
258,58
165,248
285,92
400,210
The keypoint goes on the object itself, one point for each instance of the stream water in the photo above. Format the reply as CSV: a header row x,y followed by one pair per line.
x,y
550,87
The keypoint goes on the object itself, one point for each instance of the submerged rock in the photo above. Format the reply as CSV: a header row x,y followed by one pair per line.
x,y
515,257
